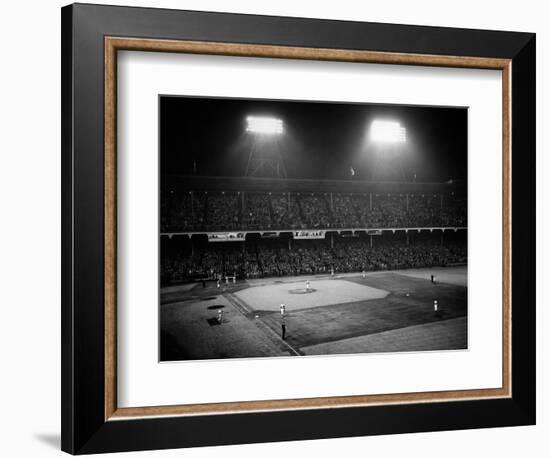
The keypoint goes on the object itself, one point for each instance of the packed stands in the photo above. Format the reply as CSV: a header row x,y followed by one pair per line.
x,y
350,226
211,211
284,256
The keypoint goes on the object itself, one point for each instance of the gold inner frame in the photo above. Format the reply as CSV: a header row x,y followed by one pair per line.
x,y
114,44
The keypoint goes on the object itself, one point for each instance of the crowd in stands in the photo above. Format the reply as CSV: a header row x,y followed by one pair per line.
x,y
200,211
272,258
257,212
346,212
285,211
182,211
315,211
217,214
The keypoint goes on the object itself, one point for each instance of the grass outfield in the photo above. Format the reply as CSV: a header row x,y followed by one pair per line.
x,y
385,311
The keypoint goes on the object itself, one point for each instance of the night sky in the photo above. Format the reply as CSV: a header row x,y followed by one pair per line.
x,y
321,139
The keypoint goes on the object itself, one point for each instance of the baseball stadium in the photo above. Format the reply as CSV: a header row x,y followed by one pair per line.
x,y
259,262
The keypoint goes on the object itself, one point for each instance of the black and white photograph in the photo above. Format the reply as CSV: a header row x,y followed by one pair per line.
x,y
299,228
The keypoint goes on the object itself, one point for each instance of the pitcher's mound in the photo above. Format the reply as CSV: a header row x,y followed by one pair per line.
x,y
302,291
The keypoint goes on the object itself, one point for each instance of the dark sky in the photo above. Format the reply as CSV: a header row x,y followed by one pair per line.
x,y
321,139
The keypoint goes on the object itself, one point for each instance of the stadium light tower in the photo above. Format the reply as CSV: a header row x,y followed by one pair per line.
x,y
265,156
389,139
264,125
387,132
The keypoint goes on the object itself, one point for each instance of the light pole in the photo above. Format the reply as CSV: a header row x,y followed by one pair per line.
x,y
265,157
388,137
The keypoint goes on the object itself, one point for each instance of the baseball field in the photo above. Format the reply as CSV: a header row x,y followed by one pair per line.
x,y
389,311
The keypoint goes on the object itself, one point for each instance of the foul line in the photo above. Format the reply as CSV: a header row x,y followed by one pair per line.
x,y
243,309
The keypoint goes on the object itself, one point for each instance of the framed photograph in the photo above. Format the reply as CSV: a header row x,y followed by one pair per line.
x,y
281,229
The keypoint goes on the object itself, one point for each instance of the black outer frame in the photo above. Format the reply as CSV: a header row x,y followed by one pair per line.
x,y
84,429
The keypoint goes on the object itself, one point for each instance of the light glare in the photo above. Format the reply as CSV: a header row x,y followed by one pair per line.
x,y
387,132
264,125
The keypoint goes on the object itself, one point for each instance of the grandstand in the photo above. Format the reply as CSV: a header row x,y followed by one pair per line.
x,y
299,229
191,206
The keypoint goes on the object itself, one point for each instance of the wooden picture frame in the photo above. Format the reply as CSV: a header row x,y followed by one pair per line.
x,y
91,419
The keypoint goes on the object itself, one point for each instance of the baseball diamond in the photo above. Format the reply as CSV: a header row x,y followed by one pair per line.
x,y
383,312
